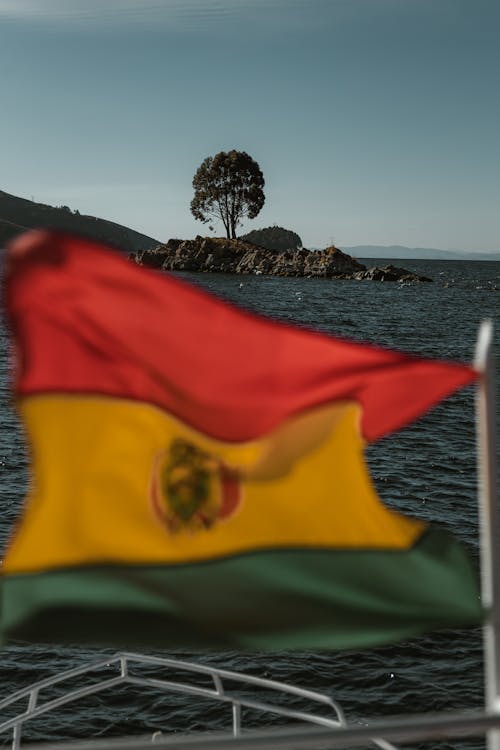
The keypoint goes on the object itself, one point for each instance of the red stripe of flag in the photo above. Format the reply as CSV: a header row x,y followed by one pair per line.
x,y
90,321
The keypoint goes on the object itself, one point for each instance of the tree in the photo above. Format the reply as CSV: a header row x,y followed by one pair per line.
x,y
228,186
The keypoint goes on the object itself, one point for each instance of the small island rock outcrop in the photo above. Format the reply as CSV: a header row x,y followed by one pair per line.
x,y
221,255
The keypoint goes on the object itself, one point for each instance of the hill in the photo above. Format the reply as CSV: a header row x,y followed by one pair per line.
x,y
417,253
19,214
274,238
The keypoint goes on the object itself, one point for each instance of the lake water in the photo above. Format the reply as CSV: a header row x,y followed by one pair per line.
x,y
428,470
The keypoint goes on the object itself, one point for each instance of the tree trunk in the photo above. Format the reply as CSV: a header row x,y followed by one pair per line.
x,y
227,226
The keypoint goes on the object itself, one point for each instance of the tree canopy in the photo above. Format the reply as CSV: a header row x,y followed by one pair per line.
x,y
228,186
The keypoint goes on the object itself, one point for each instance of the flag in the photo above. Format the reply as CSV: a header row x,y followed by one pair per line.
x,y
197,472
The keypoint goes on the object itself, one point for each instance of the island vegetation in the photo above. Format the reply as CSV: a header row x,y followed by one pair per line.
x,y
274,238
228,186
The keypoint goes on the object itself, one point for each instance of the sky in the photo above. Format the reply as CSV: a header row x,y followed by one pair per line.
x,y
375,122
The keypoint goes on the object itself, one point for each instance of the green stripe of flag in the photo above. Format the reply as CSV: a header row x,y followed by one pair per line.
x,y
280,599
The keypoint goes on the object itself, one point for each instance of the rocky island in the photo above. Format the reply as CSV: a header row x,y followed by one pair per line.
x,y
239,256
271,250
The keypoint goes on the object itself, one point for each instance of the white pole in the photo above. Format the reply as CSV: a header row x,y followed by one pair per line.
x,y
489,521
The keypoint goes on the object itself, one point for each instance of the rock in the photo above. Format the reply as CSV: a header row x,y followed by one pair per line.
x,y
389,273
331,263
220,255
254,261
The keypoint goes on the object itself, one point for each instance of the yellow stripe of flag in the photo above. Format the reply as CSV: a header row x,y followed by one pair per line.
x,y
135,485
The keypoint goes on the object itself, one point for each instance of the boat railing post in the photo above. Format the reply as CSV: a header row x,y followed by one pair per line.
x,y
123,666
16,736
489,522
236,719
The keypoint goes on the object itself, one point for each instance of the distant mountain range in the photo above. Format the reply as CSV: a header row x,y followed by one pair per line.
x,y
19,214
417,253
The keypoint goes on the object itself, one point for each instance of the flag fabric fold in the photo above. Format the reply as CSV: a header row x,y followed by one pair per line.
x,y
198,475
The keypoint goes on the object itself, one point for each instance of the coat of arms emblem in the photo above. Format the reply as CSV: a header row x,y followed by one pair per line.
x,y
191,489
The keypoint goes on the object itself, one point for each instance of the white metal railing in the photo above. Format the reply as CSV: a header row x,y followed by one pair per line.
x,y
111,672
421,728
